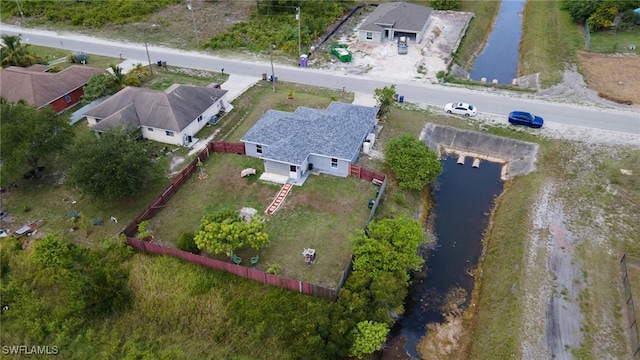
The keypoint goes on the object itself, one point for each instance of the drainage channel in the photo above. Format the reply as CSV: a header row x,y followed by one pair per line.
x,y
464,195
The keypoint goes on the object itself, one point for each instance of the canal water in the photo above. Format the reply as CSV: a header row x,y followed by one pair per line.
x,y
499,58
464,197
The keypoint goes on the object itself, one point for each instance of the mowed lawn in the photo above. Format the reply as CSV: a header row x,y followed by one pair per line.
x,y
322,214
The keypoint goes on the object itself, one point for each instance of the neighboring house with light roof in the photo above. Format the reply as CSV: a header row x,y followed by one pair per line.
x,y
173,116
38,87
391,20
295,144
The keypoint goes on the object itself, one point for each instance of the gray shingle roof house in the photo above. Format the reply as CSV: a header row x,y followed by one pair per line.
x,y
39,88
392,20
307,140
172,116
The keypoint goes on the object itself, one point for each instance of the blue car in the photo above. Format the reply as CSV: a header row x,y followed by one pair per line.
x,y
525,118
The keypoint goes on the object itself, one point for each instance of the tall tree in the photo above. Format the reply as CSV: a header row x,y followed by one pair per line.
x,y
29,136
389,245
14,53
224,231
603,17
111,166
368,338
384,100
99,85
117,76
412,162
581,10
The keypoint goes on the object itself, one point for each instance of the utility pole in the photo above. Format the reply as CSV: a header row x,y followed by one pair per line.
x,y
299,35
273,75
195,29
20,10
144,33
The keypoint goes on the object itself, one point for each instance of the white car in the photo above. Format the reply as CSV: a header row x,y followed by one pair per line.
x,y
461,109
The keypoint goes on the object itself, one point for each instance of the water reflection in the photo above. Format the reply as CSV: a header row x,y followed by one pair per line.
x,y
499,59
464,198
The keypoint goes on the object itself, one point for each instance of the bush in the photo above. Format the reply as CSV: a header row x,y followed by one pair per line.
x,y
441,74
186,243
412,162
79,57
273,268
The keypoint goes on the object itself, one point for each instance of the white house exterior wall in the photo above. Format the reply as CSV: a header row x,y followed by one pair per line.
x,y
420,35
196,125
160,135
323,164
251,150
356,155
278,168
377,36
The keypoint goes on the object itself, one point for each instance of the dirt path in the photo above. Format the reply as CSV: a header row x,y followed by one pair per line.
x,y
552,317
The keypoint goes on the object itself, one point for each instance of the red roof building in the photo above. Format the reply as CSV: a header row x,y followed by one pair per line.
x,y
39,88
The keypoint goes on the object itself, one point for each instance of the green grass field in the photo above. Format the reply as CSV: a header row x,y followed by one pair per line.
x,y
549,41
616,41
478,31
51,55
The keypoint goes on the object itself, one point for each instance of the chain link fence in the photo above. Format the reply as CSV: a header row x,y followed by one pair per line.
x,y
609,43
631,311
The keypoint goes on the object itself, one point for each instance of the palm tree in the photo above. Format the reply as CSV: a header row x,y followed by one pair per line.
x,y
14,53
140,71
118,76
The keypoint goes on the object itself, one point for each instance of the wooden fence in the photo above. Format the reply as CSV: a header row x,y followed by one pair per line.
x,y
176,183
366,174
300,286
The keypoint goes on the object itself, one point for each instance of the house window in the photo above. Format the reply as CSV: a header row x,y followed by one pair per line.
x,y
259,149
369,35
169,133
199,118
293,168
334,162
150,129
67,98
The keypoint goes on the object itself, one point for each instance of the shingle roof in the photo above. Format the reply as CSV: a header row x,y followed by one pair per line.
x,y
336,132
173,109
40,88
398,15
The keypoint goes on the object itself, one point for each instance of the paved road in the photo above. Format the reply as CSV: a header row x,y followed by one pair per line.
x,y
500,104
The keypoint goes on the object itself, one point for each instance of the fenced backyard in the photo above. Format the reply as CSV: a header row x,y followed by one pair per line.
x,y
613,42
296,275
